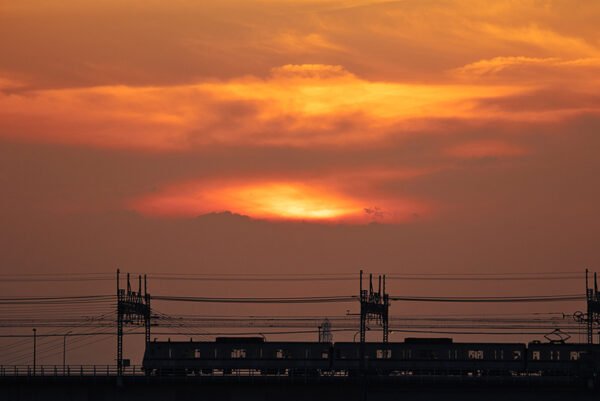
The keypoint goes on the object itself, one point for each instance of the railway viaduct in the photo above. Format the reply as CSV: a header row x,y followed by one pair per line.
x,y
140,388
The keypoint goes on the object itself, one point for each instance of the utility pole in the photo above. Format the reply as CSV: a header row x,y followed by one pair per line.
x,y
593,306
120,297
65,351
34,349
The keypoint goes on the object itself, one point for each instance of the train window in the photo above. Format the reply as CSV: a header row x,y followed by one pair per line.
x,y
238,353
279,354
197,353
555,355
475,354
516,355
427,354
383,354
324,354
535,355
574,355
170,353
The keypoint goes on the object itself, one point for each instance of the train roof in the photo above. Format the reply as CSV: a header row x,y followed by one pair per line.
x,y
432,343
420,340
554,344
408,341
243,340
240,340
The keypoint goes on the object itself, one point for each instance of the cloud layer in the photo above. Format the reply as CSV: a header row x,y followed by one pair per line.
x,y
352,105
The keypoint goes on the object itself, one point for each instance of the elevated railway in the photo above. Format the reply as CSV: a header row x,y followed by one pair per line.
x,y
242,367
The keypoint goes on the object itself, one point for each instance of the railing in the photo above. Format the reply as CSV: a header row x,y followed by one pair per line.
x,y
71,370
136,370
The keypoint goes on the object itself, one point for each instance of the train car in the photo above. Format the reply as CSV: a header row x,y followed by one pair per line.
x,y
229,355
423,356
297,358
177,357
496,359
429,356
562,359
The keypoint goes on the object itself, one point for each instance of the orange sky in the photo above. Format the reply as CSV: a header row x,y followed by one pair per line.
x,y
373,99
285,135
315,75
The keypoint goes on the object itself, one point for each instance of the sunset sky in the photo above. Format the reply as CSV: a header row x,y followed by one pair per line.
x,y
300,136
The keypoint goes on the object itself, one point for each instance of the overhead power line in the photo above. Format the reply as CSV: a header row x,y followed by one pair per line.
x,y
95,299
352,298
59,298
292,277
539,298
265,300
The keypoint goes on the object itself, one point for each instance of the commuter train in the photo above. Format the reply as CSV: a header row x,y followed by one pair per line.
x,y
414,356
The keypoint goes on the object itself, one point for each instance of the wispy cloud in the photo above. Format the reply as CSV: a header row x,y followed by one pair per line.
x,y
298,105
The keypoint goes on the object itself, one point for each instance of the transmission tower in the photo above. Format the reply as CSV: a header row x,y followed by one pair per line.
x,y
374,305
133,309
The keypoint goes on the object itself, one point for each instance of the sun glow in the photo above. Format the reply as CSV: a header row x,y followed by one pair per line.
x,y
274,201
271,201
290,201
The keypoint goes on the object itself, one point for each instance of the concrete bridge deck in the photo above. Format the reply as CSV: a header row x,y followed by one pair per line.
x,y
279,388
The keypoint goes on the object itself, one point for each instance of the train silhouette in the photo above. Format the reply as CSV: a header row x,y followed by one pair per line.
x,y
414,356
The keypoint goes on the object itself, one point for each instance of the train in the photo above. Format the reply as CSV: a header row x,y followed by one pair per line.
x,y
413,356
